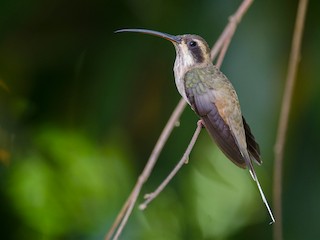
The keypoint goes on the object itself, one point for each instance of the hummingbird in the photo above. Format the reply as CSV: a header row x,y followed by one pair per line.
x,y
213,98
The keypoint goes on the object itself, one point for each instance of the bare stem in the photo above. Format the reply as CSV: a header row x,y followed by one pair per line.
x,y
128,206
284,116
149,197
224,49
227,33
126,210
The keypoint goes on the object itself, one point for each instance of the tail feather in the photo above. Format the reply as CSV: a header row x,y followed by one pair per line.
x,y
265,201
255,178
252,145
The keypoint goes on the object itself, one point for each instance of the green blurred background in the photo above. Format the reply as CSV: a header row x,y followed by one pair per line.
x,y
81,109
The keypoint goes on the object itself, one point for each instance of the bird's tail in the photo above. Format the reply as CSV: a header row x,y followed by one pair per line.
x,y
255,178
265,200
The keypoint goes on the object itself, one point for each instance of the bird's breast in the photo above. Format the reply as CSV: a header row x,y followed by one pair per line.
x,y
179,73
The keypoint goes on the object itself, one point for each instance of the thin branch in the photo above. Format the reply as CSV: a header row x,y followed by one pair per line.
x,y
284,116
234,20
150,196
128,206
224,49
126,210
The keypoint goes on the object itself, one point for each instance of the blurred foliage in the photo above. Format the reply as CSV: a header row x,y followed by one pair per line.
x,y
63,179
81,109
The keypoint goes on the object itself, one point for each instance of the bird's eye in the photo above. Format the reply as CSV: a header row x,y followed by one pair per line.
x,y
192,43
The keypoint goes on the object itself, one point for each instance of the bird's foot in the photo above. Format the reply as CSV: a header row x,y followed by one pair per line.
x,y
200,123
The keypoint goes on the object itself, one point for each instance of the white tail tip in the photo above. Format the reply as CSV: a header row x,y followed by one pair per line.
x,y
265,201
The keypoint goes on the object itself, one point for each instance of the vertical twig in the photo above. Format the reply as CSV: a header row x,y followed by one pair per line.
x,y
284,116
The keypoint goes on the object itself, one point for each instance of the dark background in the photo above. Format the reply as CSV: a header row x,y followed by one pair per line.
x,y
81,109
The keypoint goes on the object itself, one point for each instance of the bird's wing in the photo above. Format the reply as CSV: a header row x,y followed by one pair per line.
x,y
202,101
252,145
213,98
238,132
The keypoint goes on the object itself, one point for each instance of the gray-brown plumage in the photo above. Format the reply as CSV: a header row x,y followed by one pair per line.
x,y
217,110
213,98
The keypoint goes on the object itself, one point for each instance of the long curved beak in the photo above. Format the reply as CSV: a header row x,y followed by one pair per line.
x,y
172,38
